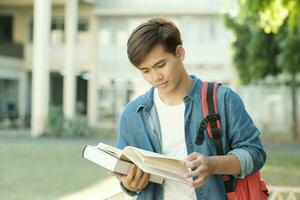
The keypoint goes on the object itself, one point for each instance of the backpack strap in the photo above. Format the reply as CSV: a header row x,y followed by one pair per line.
x,y
211,121
212,124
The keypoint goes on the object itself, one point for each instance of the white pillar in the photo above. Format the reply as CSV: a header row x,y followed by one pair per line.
x,y
93,80
40,70
69,90
22,96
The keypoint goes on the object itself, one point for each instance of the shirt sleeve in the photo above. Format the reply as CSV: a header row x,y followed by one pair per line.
x,y
243,136
123,142
123,133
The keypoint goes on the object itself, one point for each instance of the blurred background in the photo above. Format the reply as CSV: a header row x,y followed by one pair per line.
x,y
65,77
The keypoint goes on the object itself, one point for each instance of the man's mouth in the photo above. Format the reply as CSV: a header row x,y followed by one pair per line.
x,y
162,84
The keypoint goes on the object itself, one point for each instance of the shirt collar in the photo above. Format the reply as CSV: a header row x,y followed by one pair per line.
x,y
146,101
194,92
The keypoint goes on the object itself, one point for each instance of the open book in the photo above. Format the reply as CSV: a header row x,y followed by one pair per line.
x,y
158,165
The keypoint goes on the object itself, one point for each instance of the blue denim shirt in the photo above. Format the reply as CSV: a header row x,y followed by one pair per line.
x,y
139,126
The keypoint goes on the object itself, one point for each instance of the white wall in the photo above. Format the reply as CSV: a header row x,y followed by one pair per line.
x,y
270,107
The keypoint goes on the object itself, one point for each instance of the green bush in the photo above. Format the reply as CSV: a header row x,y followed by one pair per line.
x,y
58,126
77,127
55,121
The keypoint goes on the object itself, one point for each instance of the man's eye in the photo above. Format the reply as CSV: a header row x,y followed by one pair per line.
x,y
161,65
145,71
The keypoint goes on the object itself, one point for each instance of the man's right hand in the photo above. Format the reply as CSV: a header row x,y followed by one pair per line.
x,y
135,180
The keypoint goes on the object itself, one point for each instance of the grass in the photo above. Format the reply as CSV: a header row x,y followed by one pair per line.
x,y
282,166
46,168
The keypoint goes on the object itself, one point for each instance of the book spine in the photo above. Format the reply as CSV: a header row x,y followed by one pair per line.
x,y
156,179
82,155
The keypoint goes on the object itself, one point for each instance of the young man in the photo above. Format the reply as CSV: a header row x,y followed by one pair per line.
x,y
166,120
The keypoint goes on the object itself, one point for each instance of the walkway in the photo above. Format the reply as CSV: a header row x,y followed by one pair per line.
x,y
110,190
107,189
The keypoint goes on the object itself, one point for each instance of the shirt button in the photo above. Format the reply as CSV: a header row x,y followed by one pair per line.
x,y
200,191
190,145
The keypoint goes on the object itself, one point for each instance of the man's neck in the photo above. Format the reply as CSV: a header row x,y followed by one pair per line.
x,y
176,97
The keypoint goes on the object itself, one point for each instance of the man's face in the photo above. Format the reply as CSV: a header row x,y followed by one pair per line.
x,y
163,70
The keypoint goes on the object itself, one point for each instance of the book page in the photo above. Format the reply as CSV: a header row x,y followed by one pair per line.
x,y
173,166
133,156
158,161
113,150
149,154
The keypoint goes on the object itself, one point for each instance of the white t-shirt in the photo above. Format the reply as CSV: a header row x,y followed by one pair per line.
x,y
171,119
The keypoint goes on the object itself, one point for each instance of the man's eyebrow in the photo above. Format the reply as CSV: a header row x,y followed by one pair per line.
x,y
157,63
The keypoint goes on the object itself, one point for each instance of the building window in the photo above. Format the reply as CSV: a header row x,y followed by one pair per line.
x,y
8,101
57,23
213,29
122,37
203,32
104,37
6,24
129,92
113,31
107,102
190,30
83,24
57,31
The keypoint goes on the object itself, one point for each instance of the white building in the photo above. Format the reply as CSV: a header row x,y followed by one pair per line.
x,y
105,80
205,38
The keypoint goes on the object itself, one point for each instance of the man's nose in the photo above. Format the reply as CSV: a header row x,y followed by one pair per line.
x,y
157,76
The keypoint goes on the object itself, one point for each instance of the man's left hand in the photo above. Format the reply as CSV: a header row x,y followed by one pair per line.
x,y
201,167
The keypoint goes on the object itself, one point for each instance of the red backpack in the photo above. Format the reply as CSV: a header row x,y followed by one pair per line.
x,y
252,187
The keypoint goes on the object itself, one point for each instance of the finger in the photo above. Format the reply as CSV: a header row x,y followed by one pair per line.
x,y
138,174
131,173
198,182
144,180
195,172
192,156
194,163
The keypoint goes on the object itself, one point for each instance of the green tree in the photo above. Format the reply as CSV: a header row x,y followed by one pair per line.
x,y
255,51
267,42
262,51
240,56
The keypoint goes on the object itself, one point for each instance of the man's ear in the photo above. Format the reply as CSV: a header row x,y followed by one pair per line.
x,y
180,52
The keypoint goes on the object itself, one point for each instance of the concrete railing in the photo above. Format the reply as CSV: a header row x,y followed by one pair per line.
x,y
284,193
11,49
